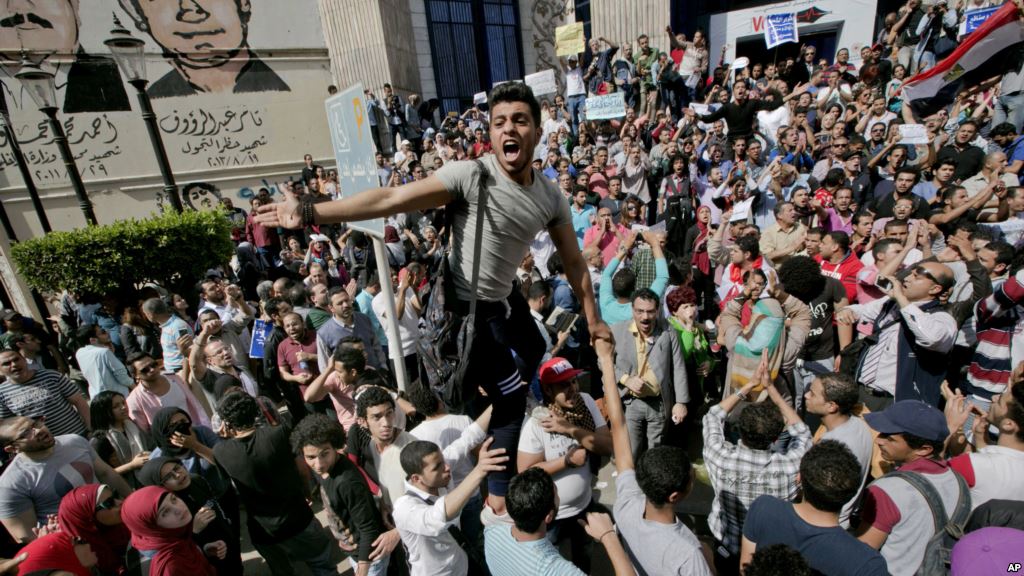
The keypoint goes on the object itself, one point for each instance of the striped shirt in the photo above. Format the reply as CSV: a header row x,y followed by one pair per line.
x,y
998,328
169,333
46,394
508,557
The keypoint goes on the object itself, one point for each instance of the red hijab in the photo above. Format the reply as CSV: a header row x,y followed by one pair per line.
x,y
77,517
52,552
701,259
176,553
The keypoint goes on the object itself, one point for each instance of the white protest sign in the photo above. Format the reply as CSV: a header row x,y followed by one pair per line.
x,y
353,149
542,82
480,98
913,134
741,210
779,29
606,107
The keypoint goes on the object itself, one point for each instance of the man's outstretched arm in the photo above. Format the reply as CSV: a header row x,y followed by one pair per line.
x,y
373,203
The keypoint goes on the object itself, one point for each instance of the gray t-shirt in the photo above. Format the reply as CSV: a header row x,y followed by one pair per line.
x,y
513,216
655,549
27,484
856,436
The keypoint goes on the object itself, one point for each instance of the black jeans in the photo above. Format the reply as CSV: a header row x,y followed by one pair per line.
x,y
506,352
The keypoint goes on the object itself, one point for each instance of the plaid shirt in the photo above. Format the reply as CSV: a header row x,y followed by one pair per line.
x,y
740,474
643,267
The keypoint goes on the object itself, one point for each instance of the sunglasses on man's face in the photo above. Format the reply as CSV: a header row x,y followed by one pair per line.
x,y
922,271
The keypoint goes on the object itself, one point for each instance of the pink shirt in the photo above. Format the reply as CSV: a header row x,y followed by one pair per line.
x,y
341,397
608,243
143,404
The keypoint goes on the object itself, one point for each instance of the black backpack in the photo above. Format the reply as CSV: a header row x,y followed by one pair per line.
x,y
948,529
446,340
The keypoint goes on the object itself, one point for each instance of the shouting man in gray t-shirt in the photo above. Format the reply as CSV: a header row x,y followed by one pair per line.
x,y
520,203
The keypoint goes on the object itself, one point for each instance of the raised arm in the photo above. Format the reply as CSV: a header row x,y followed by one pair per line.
x,y
613,404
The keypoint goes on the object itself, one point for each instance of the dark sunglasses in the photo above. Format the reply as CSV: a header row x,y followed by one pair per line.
x,y
148,369
922,271
107,504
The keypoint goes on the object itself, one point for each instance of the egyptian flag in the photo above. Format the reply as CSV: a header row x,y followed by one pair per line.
x,y
986,52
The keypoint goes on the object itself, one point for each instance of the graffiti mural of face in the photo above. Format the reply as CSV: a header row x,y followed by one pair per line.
x,y
38,26
201,32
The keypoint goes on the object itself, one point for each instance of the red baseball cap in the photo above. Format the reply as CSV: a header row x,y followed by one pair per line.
x,y
557,370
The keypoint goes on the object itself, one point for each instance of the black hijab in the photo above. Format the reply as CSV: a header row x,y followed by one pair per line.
x,y
161,430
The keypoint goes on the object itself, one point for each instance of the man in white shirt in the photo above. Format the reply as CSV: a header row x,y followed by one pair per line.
x,y
99,365
427,515
993,471
558,438
407,309
446,430
832,397
575,90
914,337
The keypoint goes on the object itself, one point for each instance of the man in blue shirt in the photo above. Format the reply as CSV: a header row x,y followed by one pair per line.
x,y
172,330
1005,135
523,548
583,214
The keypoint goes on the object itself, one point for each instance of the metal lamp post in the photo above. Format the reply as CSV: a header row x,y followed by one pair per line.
x,y
26,174
40,86
128,53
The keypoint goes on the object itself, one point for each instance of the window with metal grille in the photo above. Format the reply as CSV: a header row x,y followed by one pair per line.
x,y
474,44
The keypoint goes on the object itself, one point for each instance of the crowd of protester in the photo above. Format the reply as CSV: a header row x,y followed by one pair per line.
x,y
828,321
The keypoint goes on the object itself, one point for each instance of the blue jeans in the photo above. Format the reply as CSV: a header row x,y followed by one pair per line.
x,y
575,104
1009,108
378,568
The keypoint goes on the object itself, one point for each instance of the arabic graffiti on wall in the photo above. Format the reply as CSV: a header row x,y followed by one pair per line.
x,y
216,127
222,137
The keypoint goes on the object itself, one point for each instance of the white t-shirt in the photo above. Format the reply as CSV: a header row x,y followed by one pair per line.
x,y
408,324
856,436
573,483
574,85
443,432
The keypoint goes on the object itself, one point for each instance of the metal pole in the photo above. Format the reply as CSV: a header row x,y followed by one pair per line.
x,y
26,175
394,337
6,221
61,139
170,187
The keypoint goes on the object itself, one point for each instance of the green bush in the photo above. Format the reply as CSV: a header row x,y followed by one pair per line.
x,y
172,249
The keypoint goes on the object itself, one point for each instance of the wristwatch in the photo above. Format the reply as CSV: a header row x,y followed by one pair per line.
x,y
568,456
741,395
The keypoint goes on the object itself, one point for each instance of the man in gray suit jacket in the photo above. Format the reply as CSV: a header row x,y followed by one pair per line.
x,y
651,372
